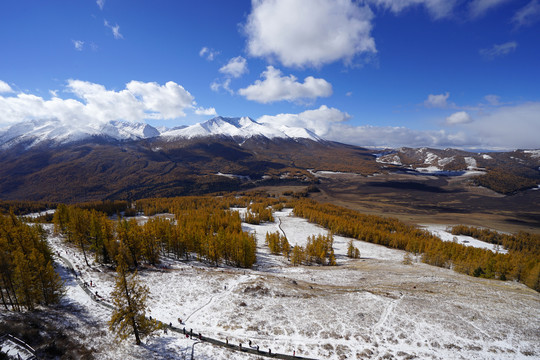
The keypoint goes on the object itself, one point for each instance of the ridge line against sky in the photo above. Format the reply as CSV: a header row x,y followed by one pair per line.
x,y
439,73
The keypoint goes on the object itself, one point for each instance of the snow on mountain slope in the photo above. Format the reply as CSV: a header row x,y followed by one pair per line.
x,y
122,130
34,132
242,127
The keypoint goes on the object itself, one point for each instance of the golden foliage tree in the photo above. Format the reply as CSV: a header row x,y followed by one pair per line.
x,y
129,299
352,251
298,255
27,275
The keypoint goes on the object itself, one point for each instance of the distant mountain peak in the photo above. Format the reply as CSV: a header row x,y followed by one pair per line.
x,y
241,127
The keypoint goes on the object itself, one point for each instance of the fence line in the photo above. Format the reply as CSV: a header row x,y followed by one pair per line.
x,y
20,343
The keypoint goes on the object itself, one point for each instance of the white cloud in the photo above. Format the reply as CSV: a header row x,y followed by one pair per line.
x,y
115,30
499,50
235,68
320,120
478,8
527,15
437,101
208,53
207,112
331,124
309,32
509,127
78,44
460,117
275,87
100,3
437,8
161,101
493,99
5,88
225,85
137,102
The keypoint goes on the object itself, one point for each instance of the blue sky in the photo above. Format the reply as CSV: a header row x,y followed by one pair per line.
x,y
442,73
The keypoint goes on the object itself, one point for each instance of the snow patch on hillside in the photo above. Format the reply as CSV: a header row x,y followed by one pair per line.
x,y
442,231
471,162
533,153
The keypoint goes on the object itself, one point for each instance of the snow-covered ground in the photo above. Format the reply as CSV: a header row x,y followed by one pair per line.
x,y
372,307
41,213
442,231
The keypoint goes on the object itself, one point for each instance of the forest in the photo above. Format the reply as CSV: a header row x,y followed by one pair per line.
x,y
202,228
521,263
209,229
27,274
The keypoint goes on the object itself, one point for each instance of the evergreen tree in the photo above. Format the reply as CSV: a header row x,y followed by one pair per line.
x,y
129,299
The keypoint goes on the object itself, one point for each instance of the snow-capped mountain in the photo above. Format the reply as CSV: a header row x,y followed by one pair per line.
x,y
35,132
242,127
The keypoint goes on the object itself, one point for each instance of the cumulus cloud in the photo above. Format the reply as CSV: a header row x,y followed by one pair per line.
x,y
309,32
208,112
437,101
115,30
78,44
527,15
100,3
5,88
137,102
499,50
235,68
319,121
437,8
208,53
276,87
460,117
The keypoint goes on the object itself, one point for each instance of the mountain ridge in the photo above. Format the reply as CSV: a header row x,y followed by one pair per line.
x,y
41,160
35,132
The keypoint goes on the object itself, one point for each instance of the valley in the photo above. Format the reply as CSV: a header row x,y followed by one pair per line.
x,y
372,307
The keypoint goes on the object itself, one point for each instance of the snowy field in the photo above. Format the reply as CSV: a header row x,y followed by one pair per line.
x,y
374,307
442,232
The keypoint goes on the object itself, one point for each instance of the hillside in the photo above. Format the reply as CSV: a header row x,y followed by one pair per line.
x,y
47,161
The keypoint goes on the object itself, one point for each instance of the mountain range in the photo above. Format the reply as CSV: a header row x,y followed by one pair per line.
x,y
52,161
54,132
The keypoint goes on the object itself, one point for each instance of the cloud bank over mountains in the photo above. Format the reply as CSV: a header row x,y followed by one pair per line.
x,y
139,101
492,127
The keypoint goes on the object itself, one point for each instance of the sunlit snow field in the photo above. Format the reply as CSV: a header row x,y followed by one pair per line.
x,y
372,307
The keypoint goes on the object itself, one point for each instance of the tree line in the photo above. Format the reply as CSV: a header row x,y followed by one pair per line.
x,y
201,229
521,241
521,263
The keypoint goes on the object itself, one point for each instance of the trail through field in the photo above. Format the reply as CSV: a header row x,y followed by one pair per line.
x,y
229,290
